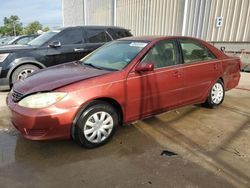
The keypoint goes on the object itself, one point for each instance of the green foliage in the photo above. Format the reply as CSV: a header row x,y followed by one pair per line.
x,y
45,29
12,26
33,27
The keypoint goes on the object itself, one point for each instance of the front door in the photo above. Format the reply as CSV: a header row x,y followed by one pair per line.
x,y
72,47
153,91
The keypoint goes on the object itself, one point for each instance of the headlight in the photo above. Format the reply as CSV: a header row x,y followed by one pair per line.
x,y
3,57
42,100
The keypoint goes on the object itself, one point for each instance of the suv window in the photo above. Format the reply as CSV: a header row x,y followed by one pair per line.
x,y
97,35
193,51
72,36
119,33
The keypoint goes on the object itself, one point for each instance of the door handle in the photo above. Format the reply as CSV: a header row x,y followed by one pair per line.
x,y
177,74
216,66
78,49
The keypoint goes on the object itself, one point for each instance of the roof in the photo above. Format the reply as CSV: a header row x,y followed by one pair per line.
x,y
143,38
155,38
91,26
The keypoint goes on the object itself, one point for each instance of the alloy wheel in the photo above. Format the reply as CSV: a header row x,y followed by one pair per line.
x,y
24,73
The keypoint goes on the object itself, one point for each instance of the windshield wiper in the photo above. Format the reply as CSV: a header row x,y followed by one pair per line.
x,y
91,65
101,68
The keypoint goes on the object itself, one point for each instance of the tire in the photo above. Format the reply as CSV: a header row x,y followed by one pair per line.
x,y
91,130
22,72
216,95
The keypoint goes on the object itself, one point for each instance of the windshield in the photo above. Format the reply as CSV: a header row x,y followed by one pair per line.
x,y
115,55
43,38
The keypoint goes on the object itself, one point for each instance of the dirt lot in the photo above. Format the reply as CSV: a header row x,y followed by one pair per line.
x,y
212,147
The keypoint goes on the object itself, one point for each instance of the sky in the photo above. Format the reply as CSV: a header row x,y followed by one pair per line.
x,y
47,12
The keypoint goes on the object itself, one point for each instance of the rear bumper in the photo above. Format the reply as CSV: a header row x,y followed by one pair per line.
x,y
231,81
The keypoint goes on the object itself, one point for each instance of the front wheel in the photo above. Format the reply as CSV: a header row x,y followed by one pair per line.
x,y
96,125
216,95
22,72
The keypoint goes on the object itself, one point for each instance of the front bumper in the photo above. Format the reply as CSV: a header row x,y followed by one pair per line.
x,y
4,82
42,124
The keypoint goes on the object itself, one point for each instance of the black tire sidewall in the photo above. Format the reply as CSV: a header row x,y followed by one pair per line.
x,y
20,69
79,127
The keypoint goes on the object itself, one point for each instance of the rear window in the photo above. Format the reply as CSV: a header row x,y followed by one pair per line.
x,y
194,51
97,35
119,33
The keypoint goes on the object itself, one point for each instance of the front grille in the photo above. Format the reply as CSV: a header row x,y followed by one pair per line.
x,y
16,96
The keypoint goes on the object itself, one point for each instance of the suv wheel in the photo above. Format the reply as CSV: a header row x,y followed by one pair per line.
x,y
22,72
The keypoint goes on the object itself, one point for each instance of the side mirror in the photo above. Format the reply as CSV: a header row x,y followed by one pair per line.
x,y
55,44
143,67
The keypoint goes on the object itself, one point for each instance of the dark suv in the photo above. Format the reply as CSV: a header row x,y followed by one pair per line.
x,y
52,48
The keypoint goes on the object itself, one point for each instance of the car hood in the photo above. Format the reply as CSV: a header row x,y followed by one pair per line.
x,y
56,77
15,48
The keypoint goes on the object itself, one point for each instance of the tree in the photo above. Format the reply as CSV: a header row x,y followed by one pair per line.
x,y
45,29
12,26
33,27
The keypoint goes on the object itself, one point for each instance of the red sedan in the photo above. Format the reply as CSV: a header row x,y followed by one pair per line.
x,y
123,81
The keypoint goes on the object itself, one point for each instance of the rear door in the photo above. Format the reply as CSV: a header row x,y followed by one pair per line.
x,y
200,69
153,91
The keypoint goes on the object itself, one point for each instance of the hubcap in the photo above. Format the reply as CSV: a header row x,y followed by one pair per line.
x,y
217,93
98,127
24,73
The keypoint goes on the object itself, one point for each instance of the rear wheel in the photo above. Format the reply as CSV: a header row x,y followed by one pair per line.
x,y
96,125
22,72
216,95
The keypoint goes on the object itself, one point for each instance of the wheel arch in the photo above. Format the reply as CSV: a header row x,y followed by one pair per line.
x,y
108,100
19,64
221,78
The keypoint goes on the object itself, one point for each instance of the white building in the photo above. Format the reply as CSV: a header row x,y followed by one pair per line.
x,y
225,22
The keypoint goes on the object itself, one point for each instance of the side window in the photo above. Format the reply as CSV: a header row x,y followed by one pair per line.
x,y
24,40
163,54
194,51
113,33
97,35
32,37
73,36
119,33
